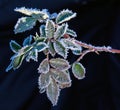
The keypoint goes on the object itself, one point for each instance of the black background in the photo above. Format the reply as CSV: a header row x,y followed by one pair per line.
x,y
98,23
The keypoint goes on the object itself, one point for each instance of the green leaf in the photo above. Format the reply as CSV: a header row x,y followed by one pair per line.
x,y
25,49
38,38
53,92
50,28
41,39
60,76
42,31
76,52
51,48
78,70
41,46
44,66
61,30
10,66
17,61
40,15
43,81
71,32
27,41
60,49
24,24
59,63
68,43
15,47
33,54
53,16
64,16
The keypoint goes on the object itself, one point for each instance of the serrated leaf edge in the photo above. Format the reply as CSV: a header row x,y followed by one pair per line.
x,y
67,19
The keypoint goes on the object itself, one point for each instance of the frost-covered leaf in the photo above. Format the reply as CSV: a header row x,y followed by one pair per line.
x,y
15,47
45,11
53,92
78,70
60,76
51,48
43,81
71,32
42,31
17,61
44,66
61,30
25,49
33,54
41,39
65,85
53,16
41,46
36,13
64,16
10,66
40,17
50,28
24,24
60,49
76,52
38,38
70,45
42,90
59,63
27,11
27,41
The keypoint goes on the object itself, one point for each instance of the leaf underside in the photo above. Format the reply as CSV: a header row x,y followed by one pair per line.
x,y
60,76
53,92
59,64
44,66
43,81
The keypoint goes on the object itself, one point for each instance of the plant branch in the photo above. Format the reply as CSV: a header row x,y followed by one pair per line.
x,y
83,54
97,48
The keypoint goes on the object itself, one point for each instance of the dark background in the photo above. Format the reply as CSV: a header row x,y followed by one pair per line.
x,y
98,23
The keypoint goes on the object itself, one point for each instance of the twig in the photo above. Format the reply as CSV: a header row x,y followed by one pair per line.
x,y
83,54
97,48
91,48
47,56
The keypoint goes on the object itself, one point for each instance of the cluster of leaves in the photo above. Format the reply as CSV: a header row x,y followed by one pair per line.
x,y
53,39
